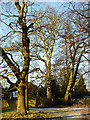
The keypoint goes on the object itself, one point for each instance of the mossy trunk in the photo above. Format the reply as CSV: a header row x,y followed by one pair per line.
x,y
67,97
68,91
26,92
49,92
21,100
26,97
37,99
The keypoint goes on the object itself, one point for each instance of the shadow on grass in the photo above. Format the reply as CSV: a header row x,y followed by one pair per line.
x,y
7,110
46,119
38,117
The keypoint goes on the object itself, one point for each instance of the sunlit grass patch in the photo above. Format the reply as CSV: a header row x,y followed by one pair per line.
x,y
48,113
31,114
5,104
32,102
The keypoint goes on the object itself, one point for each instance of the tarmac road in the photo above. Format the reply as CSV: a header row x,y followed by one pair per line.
x,y
66,112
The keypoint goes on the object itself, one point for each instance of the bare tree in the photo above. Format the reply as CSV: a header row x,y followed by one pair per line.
x,y
17,24
73,47
76,42
45,41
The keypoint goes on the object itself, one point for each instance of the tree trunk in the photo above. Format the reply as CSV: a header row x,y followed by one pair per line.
x,y
26,97
67,94
49,93
67,97
37,99
26,92
21,100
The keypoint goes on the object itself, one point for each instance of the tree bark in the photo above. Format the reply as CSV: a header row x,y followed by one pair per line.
x,y
26,97
26,92
21,100
49,93
67,94
72,79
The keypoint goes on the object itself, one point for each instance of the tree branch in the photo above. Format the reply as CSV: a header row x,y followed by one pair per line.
x,y
10,64
13,60
79,79
40,59
36,69
11,27
77,69
20,11
18,6
30,26
7,80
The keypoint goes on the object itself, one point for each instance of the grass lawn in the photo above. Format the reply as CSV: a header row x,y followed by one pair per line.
x,y
49,113
31,114
10,112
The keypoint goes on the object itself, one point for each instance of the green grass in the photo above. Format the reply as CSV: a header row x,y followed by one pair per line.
x,y
32,102
12,104
46,113
7,110
31,114
10,112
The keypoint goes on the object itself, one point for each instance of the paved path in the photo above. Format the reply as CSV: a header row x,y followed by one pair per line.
x,y
65,112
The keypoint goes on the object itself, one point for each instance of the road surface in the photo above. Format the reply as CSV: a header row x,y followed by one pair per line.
x,y
65,112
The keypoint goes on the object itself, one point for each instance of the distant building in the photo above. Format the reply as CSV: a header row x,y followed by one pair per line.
x,y
5,94
10,94
13,93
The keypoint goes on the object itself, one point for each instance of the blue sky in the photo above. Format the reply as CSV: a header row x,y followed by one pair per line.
x,y
57,4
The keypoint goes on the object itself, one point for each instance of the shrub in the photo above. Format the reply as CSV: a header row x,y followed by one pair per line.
x,y
5,104
31,102
72,101
86,101
61,101
44,102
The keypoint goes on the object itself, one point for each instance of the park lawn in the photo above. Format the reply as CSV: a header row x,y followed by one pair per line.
x,y
33,114
12,104
31,102
48,113
10,112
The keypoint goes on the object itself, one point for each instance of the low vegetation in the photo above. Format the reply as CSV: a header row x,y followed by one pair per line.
x,y
46,113
9,110
5,104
